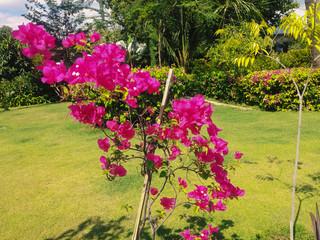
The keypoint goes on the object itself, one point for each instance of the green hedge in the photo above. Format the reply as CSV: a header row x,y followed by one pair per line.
x,y
275,91
25,89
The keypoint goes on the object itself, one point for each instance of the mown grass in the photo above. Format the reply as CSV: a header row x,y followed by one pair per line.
x,y
51,186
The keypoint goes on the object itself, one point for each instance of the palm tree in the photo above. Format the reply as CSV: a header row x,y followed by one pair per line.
x,y
236,11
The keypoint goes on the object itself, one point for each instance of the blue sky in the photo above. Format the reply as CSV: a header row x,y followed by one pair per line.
x,y
11,10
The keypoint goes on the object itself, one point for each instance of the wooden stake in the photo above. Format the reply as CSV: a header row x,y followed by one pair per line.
x,y
136,232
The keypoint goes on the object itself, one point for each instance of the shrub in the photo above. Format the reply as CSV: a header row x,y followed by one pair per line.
x,y
177,90
274,90
216,85
296,58
24,90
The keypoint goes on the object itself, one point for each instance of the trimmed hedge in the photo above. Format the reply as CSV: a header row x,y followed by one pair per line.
x,y
268,90
275,91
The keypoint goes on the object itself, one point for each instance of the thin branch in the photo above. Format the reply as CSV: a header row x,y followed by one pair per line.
x,y
172,212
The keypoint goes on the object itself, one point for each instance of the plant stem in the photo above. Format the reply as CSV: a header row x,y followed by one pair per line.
x,y
295,172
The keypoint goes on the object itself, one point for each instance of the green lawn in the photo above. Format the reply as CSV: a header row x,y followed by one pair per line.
x,y
52,187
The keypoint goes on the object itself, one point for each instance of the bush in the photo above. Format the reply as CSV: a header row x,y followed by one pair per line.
x,y
290,59
24,90
295,58
177,90
216,85
274,90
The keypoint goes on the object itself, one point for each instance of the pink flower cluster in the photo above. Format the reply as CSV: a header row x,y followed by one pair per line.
x,y
104,66
114,169
37,39
87,113
122,133
168,203
80,39
205,234
191,115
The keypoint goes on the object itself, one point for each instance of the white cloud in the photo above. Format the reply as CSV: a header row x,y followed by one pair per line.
x,y
11,10
11,20
13,5
299,12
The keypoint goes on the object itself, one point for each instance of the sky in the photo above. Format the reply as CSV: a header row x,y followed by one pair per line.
x,y
11,10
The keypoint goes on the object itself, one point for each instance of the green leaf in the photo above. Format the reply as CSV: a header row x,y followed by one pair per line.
x,y
163,174
150,164
195,210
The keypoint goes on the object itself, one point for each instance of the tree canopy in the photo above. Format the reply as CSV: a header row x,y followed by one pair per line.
x,y
181,30
58,19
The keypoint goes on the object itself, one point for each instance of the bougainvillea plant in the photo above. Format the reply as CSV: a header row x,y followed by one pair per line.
x,y
186,143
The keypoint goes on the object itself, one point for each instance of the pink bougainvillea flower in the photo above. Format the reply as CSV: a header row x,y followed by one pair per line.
x,y
218,207
81,39
203,205
212,230
167,203
238,155
35,36
154,128
95,37
154,191
207,156
213,130
186,235
200,193
53,72
117,170
175,151
126,131
156,159
124,145
87,113
104,162
70,41
221,146
150,110
113,125
104,144
84,70
200,141
204,235
192,113
182,182
111,53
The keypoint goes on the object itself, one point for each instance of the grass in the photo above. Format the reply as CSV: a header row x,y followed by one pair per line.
x,y
51,186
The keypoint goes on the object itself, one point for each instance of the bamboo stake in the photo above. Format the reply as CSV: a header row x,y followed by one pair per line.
x,y
136,232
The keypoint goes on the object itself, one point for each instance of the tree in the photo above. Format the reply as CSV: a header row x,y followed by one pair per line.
x,y
12,62
305,29
101,21
159,154
273,10
310,4
59,20
178,30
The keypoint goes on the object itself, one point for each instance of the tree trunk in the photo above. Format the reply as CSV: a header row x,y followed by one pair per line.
x,y
314,51
160,43
292,227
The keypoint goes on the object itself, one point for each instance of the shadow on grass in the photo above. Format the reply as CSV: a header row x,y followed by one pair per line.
x,y
95,228
196,225
303,191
